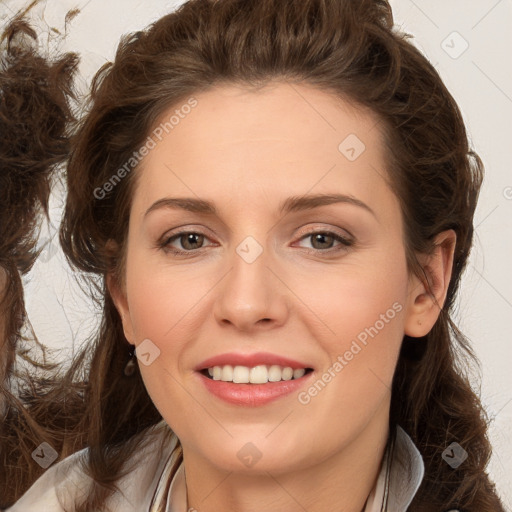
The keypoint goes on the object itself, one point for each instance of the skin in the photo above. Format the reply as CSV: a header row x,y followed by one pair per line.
x,y
247,152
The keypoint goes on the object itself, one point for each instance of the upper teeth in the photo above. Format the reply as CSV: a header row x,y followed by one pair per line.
x,y
257,375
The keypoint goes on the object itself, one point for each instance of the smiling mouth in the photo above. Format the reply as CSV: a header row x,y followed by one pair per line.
x,y
261,374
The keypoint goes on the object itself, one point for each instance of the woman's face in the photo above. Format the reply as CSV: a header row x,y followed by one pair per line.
x,y
253,286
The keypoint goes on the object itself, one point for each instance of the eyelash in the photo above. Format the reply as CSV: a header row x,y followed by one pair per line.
x,y
345,243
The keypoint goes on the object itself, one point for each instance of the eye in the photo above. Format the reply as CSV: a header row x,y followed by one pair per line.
x,y
324,240
190,241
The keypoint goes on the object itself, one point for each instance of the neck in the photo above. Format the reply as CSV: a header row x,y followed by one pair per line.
x,y
341,482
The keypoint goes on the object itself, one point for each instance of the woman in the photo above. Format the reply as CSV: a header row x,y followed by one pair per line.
x,y
273,372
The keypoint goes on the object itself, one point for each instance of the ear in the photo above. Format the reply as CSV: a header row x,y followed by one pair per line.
x,y
427,295
118,294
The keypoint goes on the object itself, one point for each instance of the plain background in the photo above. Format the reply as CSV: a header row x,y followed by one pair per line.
x,y
469,43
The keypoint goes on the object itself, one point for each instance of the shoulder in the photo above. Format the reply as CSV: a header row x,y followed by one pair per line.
x,y
67,483
49,491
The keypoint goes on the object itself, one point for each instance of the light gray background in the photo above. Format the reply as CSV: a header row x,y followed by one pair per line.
x,y
478,76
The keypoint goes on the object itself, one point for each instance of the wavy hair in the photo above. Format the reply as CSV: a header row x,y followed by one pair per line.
x,y
348,48
35,115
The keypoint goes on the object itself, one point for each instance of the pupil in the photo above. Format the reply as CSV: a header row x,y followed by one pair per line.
x,y
321,238
189,239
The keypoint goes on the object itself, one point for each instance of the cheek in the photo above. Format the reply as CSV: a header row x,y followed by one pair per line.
x,y
363,307
158,297
354,300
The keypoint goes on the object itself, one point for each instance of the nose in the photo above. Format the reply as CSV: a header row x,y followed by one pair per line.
x,y
251,297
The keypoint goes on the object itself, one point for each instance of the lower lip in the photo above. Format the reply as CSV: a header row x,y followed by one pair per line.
x,y
253,395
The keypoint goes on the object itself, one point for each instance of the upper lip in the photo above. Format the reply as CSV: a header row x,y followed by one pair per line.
x,y
250,360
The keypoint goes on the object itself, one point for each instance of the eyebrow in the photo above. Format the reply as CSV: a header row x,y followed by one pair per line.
x,y
291,204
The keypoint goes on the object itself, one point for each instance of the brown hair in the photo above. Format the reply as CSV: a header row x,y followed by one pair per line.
x,y
35,113
348,48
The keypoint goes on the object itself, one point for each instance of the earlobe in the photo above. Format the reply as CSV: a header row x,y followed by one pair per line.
x,y
427,295
121,304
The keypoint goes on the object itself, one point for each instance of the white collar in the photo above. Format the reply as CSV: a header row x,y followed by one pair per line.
x,y
405,472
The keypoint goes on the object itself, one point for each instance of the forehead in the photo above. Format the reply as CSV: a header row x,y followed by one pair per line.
x,y
278,141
